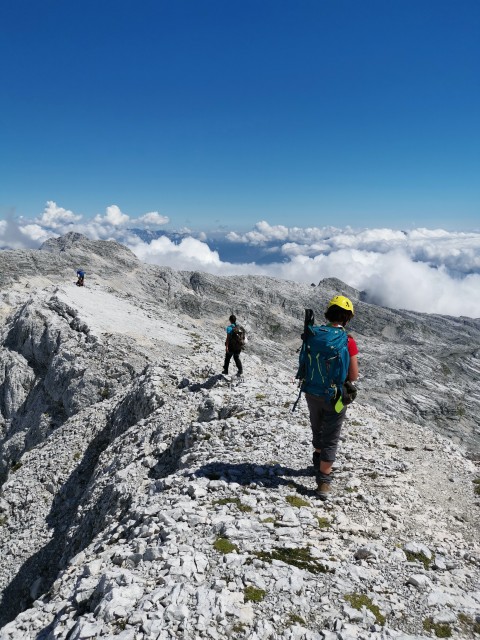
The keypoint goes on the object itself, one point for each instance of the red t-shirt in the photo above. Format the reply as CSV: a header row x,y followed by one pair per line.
x,y
352,346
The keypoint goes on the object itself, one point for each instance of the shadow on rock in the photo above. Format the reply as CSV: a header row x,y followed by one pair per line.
x,y
246,473
197,386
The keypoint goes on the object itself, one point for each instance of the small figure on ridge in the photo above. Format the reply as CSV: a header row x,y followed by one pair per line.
x,y
233,345
81,278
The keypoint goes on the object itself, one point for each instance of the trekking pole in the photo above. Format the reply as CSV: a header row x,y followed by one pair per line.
x,y
298,398
301,373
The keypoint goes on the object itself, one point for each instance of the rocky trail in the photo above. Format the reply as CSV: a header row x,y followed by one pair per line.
x,y
146,495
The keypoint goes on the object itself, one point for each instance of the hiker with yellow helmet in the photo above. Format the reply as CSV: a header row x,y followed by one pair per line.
x,y
328,367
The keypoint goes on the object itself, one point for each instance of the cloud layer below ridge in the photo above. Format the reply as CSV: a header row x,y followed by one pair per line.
x,y
428,270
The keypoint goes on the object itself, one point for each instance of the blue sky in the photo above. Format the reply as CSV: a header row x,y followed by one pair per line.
x,y
222,114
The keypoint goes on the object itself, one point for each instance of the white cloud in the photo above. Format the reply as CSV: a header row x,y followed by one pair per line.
x,y
153,219
298,249
458,251
113,216
261,234
55,221
420,287
55,217
36,233
189,254
12,235
233,236
264,233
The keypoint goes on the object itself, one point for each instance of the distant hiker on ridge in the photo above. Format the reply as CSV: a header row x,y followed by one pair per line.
x,y
233,345
81,277
327,369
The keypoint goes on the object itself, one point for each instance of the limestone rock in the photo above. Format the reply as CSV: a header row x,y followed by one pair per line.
x,y
145,495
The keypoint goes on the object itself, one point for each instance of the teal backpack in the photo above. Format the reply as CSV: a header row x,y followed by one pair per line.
x,y
324,361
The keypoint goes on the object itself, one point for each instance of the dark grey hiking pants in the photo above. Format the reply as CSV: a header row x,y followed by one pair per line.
x,y
326,425
236,357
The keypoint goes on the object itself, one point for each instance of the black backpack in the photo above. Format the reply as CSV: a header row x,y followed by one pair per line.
x,y
236,339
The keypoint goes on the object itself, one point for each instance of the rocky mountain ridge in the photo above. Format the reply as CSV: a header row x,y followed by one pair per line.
x,y
423,367
145,495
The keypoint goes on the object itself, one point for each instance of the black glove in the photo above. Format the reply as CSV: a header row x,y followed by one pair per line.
x,y
349,392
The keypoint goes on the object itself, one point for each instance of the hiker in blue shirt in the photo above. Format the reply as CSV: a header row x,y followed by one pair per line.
x,y
234,345
81,277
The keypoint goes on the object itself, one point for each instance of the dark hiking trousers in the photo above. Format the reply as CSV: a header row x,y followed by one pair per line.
x,y
326,425
236,357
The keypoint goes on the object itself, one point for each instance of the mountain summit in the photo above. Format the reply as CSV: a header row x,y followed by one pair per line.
x,y
145,495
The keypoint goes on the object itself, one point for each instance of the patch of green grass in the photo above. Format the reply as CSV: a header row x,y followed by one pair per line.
x,y
461,413
77,455
355,423
269,519
3,520
293,618
468,624
373,475
286,405
121,624
295,501
252,594
16,466
392,445
323,522
418,557
359,600
260,396
441,630
239,627
223,501
446,369
274,329
299,557
476,488
236,501
223,545
104,393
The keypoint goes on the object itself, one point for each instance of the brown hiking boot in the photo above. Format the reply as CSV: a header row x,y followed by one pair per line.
x,y
323,490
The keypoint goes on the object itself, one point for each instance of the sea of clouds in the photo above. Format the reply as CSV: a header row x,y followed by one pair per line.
x,y
428,270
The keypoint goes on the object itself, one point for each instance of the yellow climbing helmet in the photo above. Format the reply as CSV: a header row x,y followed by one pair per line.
x,y
343,302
